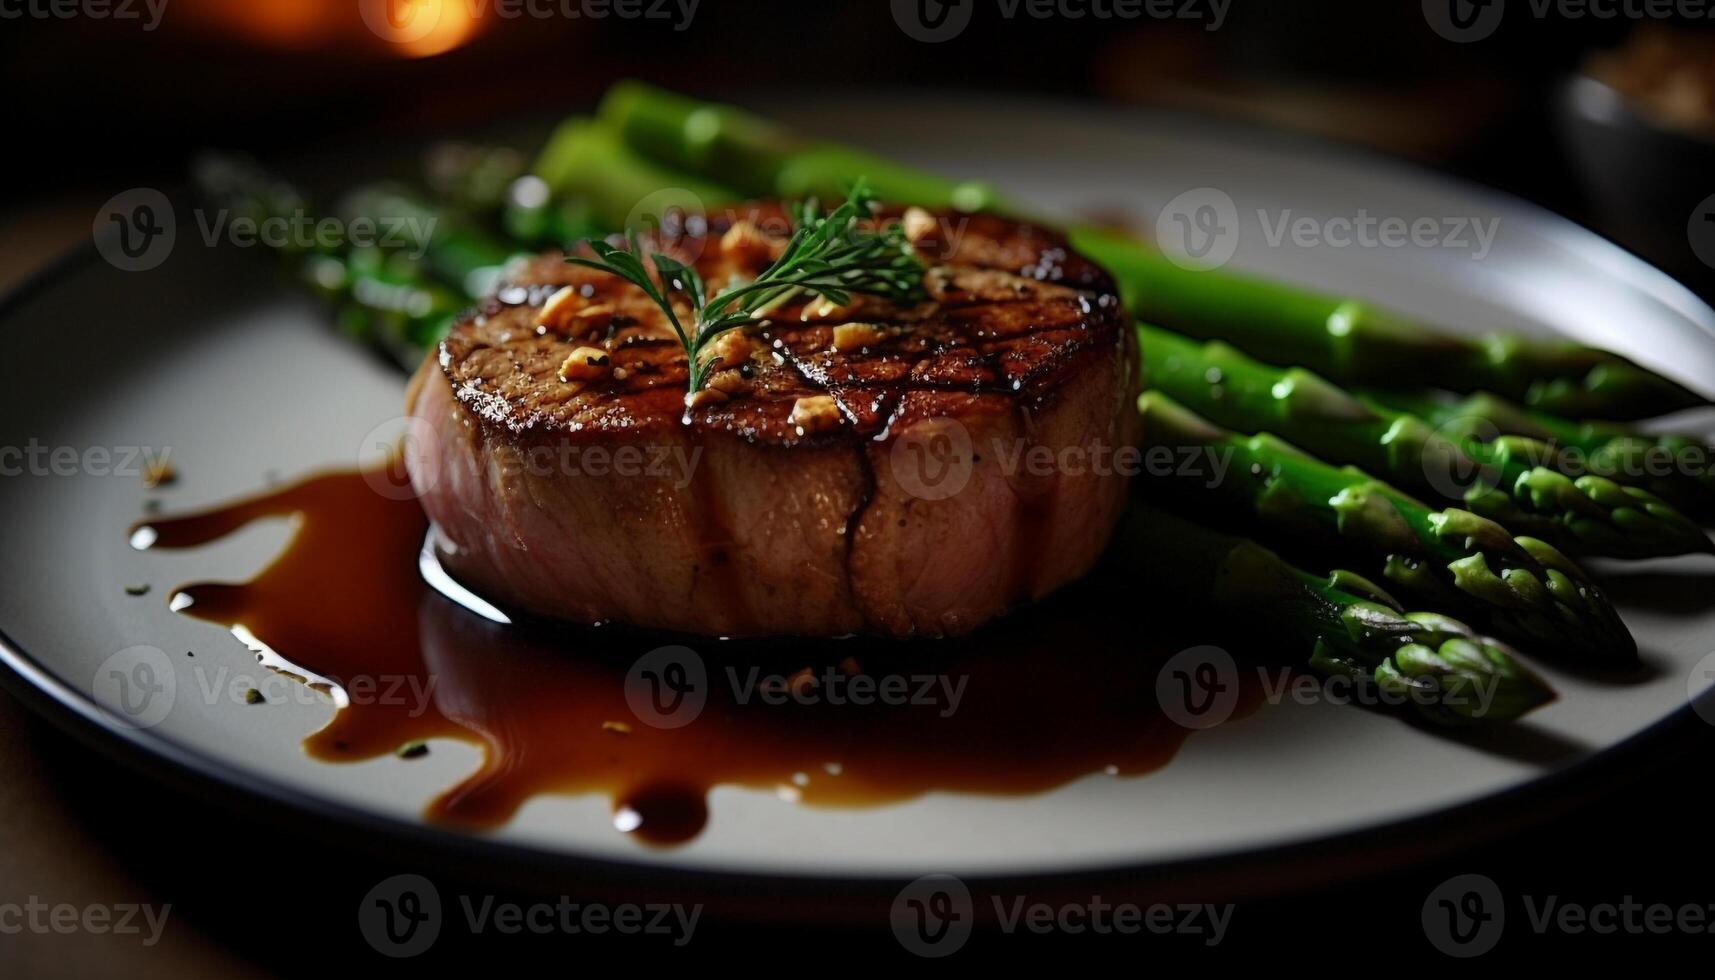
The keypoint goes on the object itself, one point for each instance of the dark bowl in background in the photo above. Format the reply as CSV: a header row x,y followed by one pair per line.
x,y
1653,187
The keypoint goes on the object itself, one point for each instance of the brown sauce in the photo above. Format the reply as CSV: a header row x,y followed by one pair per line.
x,y
1055,692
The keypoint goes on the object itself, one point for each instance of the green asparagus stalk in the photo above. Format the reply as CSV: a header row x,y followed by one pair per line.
x,y
1675,467
587,161
1346,339
756,157
1359,343
534,217
1589,515
1448,672
380,293
491,185
472,178
454,251
1521,589
386,297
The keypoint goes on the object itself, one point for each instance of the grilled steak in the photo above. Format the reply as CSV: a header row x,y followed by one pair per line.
x,y
887,468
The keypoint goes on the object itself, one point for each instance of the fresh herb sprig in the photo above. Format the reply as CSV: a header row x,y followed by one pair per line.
x,y
829,256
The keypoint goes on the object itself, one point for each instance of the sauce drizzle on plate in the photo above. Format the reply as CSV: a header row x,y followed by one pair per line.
x,y
1053,693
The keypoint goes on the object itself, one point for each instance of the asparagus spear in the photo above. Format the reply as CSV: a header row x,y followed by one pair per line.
x,y
1357,342
453,250
534,217
1344,338
385,297
1589,515
1449,673
1677,468
757,157
1522,589
586,160
472,178
380,293
491,184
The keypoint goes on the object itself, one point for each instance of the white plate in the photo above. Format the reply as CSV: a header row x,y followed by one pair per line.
x,y
213,356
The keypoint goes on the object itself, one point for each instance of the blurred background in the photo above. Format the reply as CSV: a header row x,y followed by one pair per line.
x,y
124,99
1607,120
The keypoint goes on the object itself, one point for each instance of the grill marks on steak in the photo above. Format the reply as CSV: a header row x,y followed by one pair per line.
x,y
1006,333
784,528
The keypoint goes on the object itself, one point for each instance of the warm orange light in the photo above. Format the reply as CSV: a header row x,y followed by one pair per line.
x,y
410,28
280,23
421,28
